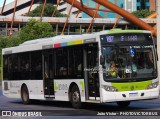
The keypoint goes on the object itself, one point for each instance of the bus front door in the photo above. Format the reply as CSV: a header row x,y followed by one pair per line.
x,y
48,74
92,72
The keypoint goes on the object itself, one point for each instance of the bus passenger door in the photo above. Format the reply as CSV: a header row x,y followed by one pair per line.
x,y
91,57
48,72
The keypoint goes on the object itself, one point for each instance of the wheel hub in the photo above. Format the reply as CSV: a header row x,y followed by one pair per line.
x,y
75,97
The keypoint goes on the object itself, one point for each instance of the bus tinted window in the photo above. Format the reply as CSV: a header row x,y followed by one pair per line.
x,y
36,65
10,63
5,67
61,63
75,62
14,68
24,66
69,62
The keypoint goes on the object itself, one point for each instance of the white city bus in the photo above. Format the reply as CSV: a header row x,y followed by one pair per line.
x,y
78,68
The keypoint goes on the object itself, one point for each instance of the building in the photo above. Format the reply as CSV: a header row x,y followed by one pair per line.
x,y
129,5
74,26
22,6
134,5
152,5
92,4
64,8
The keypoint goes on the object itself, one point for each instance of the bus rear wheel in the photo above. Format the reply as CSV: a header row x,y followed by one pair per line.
x,y
75,97
123,103
25,95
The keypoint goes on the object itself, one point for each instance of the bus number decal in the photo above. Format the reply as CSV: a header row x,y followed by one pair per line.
x,y
55,86
82,84
62,87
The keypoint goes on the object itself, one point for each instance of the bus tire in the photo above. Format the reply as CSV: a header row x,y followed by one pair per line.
x,y
25,95
123,103
75,97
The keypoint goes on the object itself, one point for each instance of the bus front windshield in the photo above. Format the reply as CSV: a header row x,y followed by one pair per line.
x,y
128,62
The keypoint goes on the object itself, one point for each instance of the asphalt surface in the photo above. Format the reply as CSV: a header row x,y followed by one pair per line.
x,y
58,109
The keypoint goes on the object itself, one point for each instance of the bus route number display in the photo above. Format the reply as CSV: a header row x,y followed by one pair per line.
x,y
114,38
111,38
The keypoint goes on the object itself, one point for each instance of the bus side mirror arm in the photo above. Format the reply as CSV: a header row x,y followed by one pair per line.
x,y
157,54
155,46
102,60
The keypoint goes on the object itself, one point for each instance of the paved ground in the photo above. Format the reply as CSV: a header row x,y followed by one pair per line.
x,y
64,109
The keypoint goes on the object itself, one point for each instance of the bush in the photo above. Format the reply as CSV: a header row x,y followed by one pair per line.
x,y
142,13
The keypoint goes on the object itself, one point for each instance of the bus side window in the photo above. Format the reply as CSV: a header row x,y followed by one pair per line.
x,y
36,65
75,62
15,67
61,62
69,62
6,67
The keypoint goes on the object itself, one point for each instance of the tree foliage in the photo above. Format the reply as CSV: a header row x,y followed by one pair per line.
x,y
6,41
142,13
34,30
47,12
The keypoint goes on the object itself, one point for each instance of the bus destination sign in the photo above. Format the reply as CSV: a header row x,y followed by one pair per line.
x,y
122,38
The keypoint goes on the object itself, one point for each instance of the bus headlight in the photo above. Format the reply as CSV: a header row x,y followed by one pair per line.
x,y
153,85
109,88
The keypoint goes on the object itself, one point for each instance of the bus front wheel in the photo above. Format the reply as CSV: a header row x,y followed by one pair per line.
x,y
75,97
25,95
123,103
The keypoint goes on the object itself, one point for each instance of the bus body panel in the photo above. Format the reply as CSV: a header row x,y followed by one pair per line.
x,y
36,91
139,92
136,95
62,86
35,88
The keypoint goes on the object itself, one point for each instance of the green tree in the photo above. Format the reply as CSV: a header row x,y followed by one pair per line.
x,y
3,44
142,13
7,41
13,41
34,30
47,12
3,41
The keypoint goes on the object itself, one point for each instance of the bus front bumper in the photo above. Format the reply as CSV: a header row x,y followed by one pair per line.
x,y
129,95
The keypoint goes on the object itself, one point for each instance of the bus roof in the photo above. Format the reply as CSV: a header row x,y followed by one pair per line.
x,y
38,44
49,39
66,37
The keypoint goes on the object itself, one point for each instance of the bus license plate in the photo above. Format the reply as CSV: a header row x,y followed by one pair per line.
x,y
133,94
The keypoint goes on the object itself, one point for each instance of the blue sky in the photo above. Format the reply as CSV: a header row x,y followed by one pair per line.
x,y
7,1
